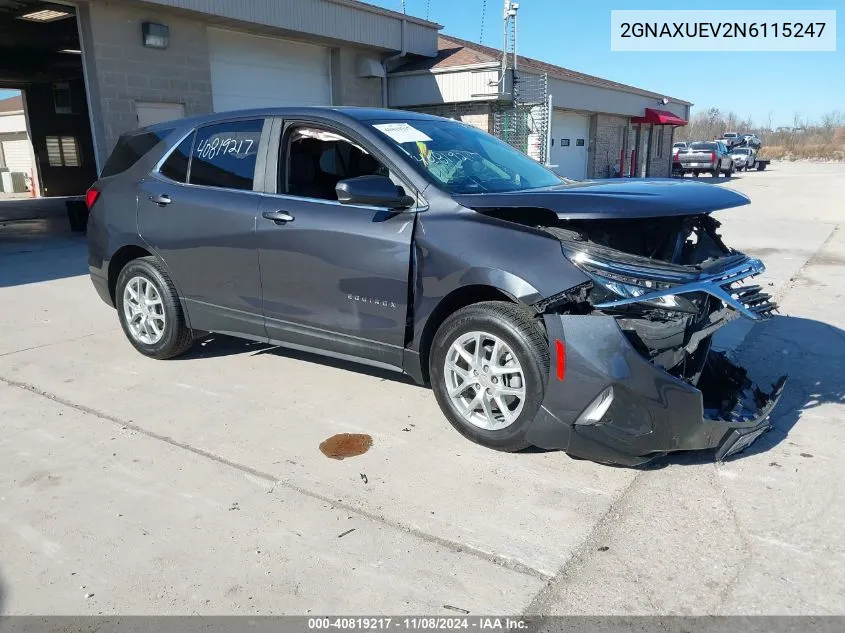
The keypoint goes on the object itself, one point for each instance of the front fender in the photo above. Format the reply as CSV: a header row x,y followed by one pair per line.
x,y
465,249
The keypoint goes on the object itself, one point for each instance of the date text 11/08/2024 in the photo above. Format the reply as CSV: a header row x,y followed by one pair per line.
x,y
424,623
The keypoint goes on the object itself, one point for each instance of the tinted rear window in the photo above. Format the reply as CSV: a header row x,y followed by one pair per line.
x,y
130,149
708,146
176,165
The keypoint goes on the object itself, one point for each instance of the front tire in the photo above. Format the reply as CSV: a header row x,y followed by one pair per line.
x,y
489,363
149,310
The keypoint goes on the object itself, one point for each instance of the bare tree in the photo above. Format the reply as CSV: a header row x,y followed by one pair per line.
x,y
824,139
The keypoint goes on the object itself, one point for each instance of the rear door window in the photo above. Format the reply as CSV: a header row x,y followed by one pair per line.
x,y
225,154
130,149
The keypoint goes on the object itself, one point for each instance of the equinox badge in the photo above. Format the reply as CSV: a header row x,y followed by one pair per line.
x,y
378,302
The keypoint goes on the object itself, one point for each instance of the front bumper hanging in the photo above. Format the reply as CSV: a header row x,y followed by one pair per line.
x,y
650,412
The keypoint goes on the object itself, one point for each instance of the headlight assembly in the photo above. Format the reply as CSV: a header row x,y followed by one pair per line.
x,y
616,285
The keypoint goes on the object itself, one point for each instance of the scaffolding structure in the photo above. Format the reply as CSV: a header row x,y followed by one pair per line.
x,y
524,121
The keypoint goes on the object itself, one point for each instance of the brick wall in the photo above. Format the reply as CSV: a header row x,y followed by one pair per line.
x,y
127,72
660,157
606,146
475,114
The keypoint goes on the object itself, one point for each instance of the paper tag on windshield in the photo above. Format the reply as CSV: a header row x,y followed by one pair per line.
x,y
402,132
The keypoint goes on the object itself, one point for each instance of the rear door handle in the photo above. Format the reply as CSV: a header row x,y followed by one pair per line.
x,y
161,200
279,217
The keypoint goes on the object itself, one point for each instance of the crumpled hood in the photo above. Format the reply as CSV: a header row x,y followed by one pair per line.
x,y
616,198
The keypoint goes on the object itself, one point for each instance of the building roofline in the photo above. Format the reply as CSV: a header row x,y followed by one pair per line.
x,y
530,65
357,4
11,105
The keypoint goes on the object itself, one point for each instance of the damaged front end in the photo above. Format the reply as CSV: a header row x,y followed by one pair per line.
x,y
641,378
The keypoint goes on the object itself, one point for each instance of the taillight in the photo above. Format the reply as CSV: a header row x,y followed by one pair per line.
x,y
91,197
712,157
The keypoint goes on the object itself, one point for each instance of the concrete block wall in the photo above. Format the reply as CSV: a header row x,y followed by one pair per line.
x,y
347,87
607,144
127,72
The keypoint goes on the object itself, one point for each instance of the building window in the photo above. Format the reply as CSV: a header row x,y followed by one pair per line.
x,y
63,151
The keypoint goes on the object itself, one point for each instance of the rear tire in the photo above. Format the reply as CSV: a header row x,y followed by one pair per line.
x,y
519,365
149,310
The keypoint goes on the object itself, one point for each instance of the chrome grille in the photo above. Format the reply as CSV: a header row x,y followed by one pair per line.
x,y
725,285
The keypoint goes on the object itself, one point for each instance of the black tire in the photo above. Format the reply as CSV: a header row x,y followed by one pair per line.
x,y
715,172
695,174
519,329
77,215
730,171
176,338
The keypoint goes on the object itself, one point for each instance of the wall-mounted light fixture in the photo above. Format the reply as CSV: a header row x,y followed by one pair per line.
x,y
155,35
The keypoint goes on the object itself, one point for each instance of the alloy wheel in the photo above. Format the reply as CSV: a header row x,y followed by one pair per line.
x,y
144,310
485,380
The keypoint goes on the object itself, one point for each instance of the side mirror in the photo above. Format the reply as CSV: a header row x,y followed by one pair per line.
x,y
378,191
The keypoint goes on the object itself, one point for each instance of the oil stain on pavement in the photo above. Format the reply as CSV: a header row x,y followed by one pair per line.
x,y
345,445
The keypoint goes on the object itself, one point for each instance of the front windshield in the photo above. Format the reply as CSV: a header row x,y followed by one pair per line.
x,y
462,159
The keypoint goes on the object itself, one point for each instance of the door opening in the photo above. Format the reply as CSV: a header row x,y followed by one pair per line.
x,y
45,130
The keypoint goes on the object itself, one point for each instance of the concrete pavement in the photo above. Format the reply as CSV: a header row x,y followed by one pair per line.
x,y
197,486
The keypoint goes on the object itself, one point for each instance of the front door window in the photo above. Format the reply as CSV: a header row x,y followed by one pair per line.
x,y
319,159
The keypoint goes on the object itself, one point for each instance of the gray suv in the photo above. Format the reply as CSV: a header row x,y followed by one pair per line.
x,y
545,312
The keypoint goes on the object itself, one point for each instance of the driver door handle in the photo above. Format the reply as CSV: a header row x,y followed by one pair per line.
x,y
161,200
279,217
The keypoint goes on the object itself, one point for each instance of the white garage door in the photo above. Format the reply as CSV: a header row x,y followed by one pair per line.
x,y
249,71
570,134
17,155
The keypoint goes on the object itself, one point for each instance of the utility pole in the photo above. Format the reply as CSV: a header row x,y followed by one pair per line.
x,y
509,55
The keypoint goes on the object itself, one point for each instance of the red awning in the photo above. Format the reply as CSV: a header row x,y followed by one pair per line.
x,y
658,117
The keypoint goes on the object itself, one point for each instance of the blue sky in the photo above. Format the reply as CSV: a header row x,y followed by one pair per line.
x,y
576,34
